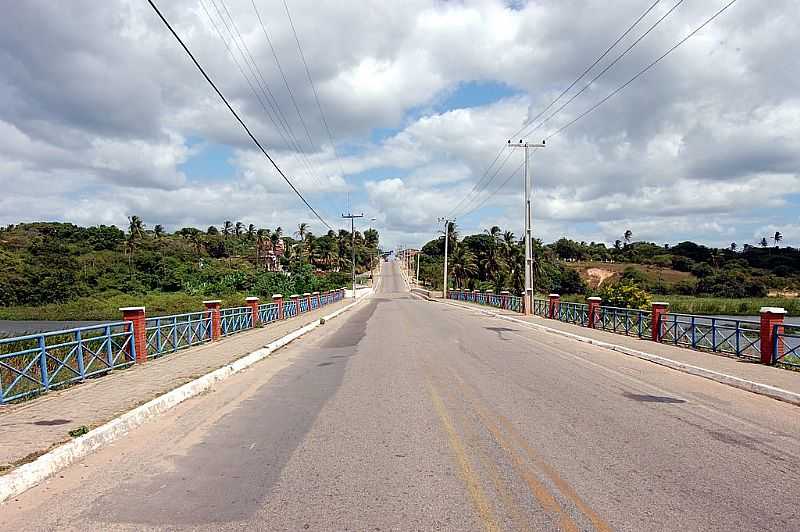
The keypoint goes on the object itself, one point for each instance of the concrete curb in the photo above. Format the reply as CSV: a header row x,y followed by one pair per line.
x,y
755,387
31,474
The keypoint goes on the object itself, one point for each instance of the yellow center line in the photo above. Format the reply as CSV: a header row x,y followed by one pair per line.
x,y
467,474
490,467
546,499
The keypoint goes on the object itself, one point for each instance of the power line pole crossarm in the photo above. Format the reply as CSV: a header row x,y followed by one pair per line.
x,y
527,297
352,218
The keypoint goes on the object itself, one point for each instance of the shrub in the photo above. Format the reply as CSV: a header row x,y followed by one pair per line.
x,y
625,294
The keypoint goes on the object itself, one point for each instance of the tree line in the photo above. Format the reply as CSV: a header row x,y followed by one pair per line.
x,y
494,259
49,262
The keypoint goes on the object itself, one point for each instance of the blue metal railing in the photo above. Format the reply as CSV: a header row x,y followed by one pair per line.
x,y
289,309
627,321
235,319
540,307
33,364
576,313
268,313
167,334
786,345
303,304
515,303
723,335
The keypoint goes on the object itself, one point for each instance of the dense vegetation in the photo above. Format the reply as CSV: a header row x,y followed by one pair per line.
x,y
62,271
494,260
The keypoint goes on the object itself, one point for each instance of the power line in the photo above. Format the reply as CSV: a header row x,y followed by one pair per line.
x,y
254,68
642,71
475,189
233,111
281,124
586,71
314,89
498,189
607,67
478,183
280,69
489,181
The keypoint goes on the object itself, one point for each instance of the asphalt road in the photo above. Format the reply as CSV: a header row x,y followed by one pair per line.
x,y
413,415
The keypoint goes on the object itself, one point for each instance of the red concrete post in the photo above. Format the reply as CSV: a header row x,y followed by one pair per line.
x,y
213,307
594,311
504,299
136,317
657,317
771,319
278,298
554,302
252,302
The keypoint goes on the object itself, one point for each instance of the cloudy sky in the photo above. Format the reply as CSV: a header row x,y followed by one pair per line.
x,y
102,116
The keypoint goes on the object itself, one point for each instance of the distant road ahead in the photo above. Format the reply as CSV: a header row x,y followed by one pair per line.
x,y
412,415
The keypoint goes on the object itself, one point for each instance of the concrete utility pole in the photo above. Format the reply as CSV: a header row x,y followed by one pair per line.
x,y
447,223
528,295
352,218
417,276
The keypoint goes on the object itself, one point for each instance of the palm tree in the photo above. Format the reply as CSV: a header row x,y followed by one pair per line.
x,y
302,230
135,226
158,230
733,246
251,231
464,265
617,244
452,235
238,229
764,243
628,236
494,232
777,237
227,228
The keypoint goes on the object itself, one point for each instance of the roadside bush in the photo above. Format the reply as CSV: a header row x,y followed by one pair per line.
x,y
625,294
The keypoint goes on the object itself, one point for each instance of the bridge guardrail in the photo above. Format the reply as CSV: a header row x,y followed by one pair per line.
x,y
36,363
769,340
33,364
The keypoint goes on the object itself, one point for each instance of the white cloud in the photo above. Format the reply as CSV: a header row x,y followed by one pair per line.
x,y
101,110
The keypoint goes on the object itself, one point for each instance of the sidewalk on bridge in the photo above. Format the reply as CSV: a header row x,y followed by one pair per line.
x,y
739,368
30,429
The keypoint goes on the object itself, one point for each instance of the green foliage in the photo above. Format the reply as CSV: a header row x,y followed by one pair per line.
x,y
625,294
62,268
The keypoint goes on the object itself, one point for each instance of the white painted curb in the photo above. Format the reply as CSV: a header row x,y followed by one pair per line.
x,y
755,387
29,475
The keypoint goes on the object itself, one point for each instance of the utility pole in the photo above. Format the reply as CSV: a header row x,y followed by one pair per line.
x,y
417,276
352,218
529,279
447,223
